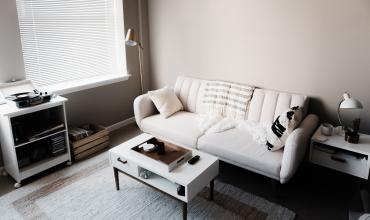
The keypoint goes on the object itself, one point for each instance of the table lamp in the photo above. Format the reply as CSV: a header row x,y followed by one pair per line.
x,y
351,134
130,41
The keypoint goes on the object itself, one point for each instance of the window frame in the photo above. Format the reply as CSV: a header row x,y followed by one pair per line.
x,y
84,84
104,79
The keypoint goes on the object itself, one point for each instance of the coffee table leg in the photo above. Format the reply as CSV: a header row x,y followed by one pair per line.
x,y
184,210
116,177
211,189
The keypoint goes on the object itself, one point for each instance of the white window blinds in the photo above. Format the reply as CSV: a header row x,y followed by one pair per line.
x,y
66,40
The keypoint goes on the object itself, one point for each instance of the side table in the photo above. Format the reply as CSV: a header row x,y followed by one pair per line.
x,y
337,154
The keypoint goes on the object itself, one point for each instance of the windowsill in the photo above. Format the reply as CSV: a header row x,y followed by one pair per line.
x,y
83,84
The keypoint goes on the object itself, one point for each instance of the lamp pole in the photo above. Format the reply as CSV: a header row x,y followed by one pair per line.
x,y
132,42
140,48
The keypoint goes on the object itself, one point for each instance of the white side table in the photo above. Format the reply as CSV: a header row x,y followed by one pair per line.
x,y
337,154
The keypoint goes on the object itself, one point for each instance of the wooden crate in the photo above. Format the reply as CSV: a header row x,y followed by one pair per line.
x,y
91,144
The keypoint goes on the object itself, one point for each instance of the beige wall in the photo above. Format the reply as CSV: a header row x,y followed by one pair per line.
x,y
104,105
316,47
11,59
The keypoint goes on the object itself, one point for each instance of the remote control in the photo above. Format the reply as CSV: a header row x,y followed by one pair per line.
x,y
194,160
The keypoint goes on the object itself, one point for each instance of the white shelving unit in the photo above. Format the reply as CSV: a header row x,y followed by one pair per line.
x,y
9,113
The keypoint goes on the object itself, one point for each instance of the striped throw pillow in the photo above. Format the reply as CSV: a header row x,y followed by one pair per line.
x,y
282,127
228,99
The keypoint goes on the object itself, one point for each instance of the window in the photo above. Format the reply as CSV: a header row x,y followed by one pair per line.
x,y
72,42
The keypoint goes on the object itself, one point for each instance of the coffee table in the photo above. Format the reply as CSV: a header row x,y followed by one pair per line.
x,y
192,177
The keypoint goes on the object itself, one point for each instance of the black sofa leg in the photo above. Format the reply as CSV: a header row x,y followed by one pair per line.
x,y
275,188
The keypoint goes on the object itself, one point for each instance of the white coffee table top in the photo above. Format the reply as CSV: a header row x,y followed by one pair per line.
x,y
184,174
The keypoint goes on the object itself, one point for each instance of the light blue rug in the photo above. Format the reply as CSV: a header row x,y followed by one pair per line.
x,y
86,190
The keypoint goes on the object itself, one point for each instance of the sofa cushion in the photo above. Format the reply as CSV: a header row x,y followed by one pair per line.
x,y
181,128
188,90
237,146
267,105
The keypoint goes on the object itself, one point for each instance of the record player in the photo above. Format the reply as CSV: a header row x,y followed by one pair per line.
x,y
27,99
24,94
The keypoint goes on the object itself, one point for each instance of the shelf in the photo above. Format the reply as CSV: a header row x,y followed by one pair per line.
x,y
11,110
41,138
42,165
164,185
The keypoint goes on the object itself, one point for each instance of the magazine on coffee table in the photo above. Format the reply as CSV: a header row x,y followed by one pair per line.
x,y
172,157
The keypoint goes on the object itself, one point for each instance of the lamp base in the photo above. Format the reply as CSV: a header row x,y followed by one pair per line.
x,y
352,138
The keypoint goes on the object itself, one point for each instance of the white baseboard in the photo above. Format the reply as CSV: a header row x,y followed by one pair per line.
x,y
121,124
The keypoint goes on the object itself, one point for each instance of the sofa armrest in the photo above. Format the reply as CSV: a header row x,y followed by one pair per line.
x,y
296,146
143,107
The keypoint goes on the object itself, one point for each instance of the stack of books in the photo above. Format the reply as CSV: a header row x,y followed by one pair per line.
x,y
79,133
58,144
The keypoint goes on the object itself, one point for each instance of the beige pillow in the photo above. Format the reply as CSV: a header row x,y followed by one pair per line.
x,y
166,101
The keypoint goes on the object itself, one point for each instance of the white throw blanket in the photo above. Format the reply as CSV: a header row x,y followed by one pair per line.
x,y
258,130
209,124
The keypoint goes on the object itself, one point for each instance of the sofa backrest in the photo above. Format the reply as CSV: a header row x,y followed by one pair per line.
x,y
189,91
265,105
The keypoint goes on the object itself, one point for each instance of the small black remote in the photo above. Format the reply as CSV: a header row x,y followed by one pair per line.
x,y
194,160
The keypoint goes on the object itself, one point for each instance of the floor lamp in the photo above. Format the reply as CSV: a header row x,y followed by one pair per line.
x,y
130,41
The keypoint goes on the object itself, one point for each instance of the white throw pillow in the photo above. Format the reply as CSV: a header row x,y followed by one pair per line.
x,y
166,101
283,126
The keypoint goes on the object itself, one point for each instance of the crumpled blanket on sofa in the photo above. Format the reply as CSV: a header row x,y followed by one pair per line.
x,y
212,123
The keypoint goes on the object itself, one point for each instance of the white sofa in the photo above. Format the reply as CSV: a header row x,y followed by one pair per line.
x,y
234,146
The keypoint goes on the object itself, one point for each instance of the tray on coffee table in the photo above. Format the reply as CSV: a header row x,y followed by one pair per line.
x,y
172,156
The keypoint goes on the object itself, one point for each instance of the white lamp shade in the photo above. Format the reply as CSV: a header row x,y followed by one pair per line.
x,y
130,38
350,103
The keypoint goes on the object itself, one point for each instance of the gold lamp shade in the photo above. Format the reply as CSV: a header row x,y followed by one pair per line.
x,y
130,41
130,38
